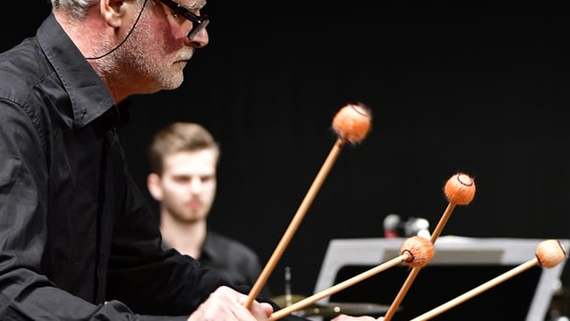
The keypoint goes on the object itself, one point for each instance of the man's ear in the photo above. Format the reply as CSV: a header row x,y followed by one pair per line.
x,y
153,185
114,11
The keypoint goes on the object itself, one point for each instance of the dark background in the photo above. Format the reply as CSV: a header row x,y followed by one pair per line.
x,y
477,87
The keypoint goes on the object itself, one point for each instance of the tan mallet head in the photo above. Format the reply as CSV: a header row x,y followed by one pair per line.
x,y
550,253
460,189
420,249
352,122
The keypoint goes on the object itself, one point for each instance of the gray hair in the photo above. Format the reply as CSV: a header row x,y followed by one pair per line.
x,y
78,8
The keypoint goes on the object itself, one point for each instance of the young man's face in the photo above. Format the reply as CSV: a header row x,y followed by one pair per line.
x,y
188,184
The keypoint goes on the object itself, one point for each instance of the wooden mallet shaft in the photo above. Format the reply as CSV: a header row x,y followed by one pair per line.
x,y
295,222
478,290
442,222
406,256
351,124
548,254
459,190
415,271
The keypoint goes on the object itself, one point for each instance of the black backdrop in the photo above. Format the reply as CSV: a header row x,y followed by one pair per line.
x,y
452,88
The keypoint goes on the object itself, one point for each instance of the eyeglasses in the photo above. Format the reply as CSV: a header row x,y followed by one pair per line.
x,y
199,22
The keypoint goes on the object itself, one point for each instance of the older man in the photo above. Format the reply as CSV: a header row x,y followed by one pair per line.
x,y
76,239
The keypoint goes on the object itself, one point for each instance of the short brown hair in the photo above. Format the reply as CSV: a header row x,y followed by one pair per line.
x,y
178,137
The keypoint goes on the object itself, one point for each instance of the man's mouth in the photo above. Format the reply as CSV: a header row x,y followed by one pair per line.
x,y
195,204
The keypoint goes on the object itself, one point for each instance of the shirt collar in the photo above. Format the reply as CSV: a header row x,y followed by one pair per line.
x,y
89,96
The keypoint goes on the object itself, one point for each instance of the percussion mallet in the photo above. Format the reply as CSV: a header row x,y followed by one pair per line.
x,y
416,252
351,124
459,190
548,254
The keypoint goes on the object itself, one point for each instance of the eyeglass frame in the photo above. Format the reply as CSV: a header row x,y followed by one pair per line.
x,y
199,22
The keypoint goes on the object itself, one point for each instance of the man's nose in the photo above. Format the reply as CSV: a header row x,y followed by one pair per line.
x,y
199,39
196,185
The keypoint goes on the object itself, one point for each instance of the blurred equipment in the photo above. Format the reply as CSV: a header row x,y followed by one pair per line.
x,y
417,226
333,309
560,305
287,298
414,226
392,225
288,294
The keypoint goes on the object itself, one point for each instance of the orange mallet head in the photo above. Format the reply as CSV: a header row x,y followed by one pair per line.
x,y
460,189
420,249
352,122
550,253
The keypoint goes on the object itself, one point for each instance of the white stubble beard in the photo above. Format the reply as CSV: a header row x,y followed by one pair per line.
x,y
142,65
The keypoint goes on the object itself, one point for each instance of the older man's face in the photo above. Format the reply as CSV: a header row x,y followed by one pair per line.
x,y
159,48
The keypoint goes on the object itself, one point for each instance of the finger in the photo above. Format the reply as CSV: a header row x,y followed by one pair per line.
x,y
212,309
242,314
267,308
234,301
219,306
257,309
261,310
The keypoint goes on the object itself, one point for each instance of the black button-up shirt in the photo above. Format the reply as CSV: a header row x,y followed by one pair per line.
x,y
238,263
77,241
